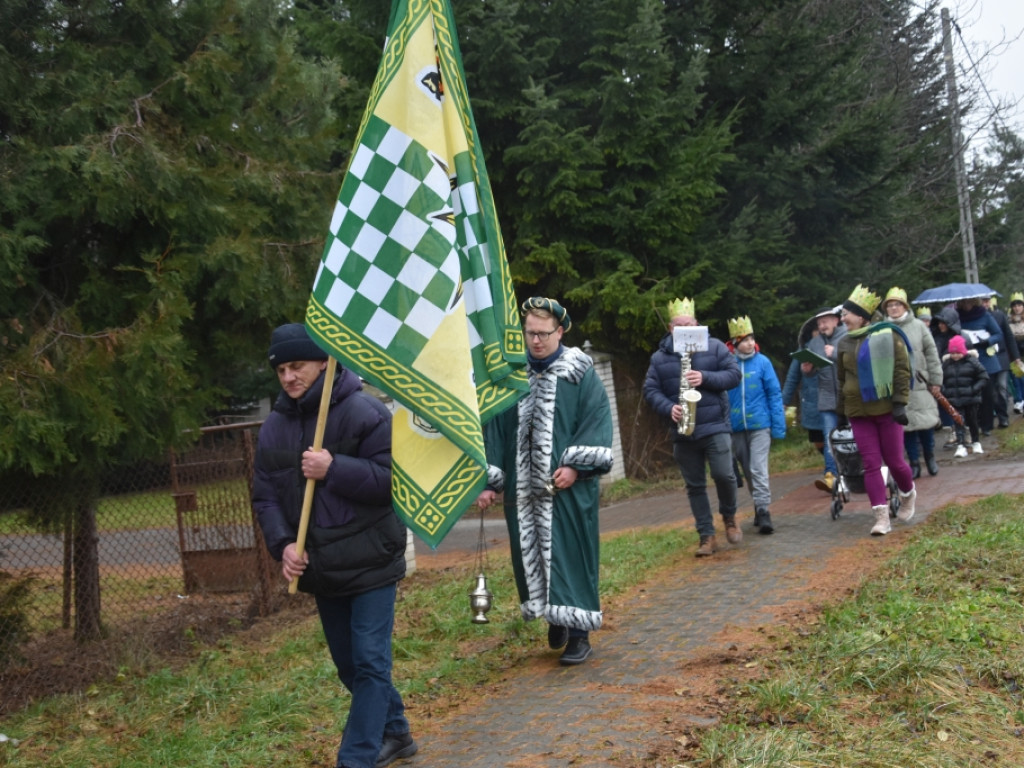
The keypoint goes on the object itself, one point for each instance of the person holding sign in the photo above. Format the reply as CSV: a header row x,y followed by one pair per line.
x,y
354,554
711,370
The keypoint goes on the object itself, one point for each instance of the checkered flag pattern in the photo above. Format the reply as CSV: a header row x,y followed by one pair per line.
x,y
390,271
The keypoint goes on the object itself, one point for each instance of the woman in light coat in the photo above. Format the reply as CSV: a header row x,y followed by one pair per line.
x,y
922,409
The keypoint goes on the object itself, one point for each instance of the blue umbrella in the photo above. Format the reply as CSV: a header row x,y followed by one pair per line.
x,y
950,292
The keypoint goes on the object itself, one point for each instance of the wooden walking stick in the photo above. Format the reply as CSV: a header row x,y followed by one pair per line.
x,y
947,406
318,442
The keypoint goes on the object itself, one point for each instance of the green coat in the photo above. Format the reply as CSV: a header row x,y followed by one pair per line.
x,y
851,404
565,420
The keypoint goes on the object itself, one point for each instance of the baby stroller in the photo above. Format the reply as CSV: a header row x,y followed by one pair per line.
x,y
851,473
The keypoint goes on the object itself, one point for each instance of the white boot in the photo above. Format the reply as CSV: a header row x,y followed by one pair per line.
x,y
907,501
882,525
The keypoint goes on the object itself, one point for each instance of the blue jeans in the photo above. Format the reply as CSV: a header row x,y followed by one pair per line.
x,y
690,456
358,631
829,420
923,438
1017,385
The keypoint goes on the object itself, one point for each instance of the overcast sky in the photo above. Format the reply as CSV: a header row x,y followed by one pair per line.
x,y
993,31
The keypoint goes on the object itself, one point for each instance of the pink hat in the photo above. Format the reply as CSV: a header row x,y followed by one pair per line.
x,y
957,346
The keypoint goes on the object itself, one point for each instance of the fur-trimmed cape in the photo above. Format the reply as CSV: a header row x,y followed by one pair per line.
x,y
565,420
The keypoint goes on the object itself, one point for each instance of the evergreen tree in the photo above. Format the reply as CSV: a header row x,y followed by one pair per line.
x,y
164,182
602,169
998,199
837,120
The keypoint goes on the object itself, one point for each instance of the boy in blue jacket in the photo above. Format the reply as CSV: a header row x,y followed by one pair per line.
x,y
757,415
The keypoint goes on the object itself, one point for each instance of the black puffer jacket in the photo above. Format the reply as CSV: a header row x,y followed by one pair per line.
x,y
721,373
963,379
951,319
355,540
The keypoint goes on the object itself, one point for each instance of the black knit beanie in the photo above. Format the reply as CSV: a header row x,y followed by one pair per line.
x,y
291,342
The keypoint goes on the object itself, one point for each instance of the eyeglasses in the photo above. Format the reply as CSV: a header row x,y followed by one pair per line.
x,y
539,335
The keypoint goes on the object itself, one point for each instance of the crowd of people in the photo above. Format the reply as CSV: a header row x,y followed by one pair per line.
x,y
868,365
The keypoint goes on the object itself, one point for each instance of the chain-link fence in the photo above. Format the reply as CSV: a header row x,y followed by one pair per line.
x,y
179,556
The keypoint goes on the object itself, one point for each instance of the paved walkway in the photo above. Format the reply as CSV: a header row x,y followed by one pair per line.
x,y
556,716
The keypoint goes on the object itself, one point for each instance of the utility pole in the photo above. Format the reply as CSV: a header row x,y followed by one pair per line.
x,y
962,193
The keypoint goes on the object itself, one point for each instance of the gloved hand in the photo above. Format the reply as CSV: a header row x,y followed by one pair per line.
x,y
899,414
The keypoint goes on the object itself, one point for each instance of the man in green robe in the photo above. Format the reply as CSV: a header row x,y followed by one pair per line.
x,y
546,455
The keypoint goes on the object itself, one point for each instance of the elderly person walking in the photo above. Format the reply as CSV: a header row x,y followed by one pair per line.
x,y
922,409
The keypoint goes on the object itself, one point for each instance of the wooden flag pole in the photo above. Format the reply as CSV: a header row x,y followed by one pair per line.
x,y
318,442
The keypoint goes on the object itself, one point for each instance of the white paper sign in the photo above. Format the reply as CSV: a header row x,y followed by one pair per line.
x,y
687,339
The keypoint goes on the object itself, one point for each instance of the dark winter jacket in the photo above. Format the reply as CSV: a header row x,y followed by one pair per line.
x,y
1008,349
851,402
807,383
963,379
978,324
717,364
355,540
949,316
828,385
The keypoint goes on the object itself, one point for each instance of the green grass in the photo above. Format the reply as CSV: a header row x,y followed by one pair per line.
x,y
139,511
925,666
922,667
276,701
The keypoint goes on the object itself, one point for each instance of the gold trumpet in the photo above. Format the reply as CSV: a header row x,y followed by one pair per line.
x,y
688,398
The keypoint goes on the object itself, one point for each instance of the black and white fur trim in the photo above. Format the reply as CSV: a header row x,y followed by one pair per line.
x,y
495,478
596,458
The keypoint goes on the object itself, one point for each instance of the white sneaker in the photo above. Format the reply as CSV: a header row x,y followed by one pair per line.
x,y
882,525
961,452
1018,407
907,502
976,448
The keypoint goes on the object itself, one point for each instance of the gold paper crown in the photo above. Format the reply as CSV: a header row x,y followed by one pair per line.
x,y
865,299
740,327
897,294
681,308
1018,296
924,312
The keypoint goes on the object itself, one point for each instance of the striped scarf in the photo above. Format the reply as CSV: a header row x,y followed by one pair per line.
x,y
876,360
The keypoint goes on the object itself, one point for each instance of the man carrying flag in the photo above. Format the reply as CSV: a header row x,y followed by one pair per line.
x,y
413,294
356,552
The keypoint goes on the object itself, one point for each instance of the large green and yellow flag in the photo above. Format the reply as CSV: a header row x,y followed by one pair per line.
x,y
413,292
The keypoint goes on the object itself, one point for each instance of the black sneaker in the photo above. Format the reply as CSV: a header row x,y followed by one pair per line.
x,y
396,746
557,636
576,652
764,525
